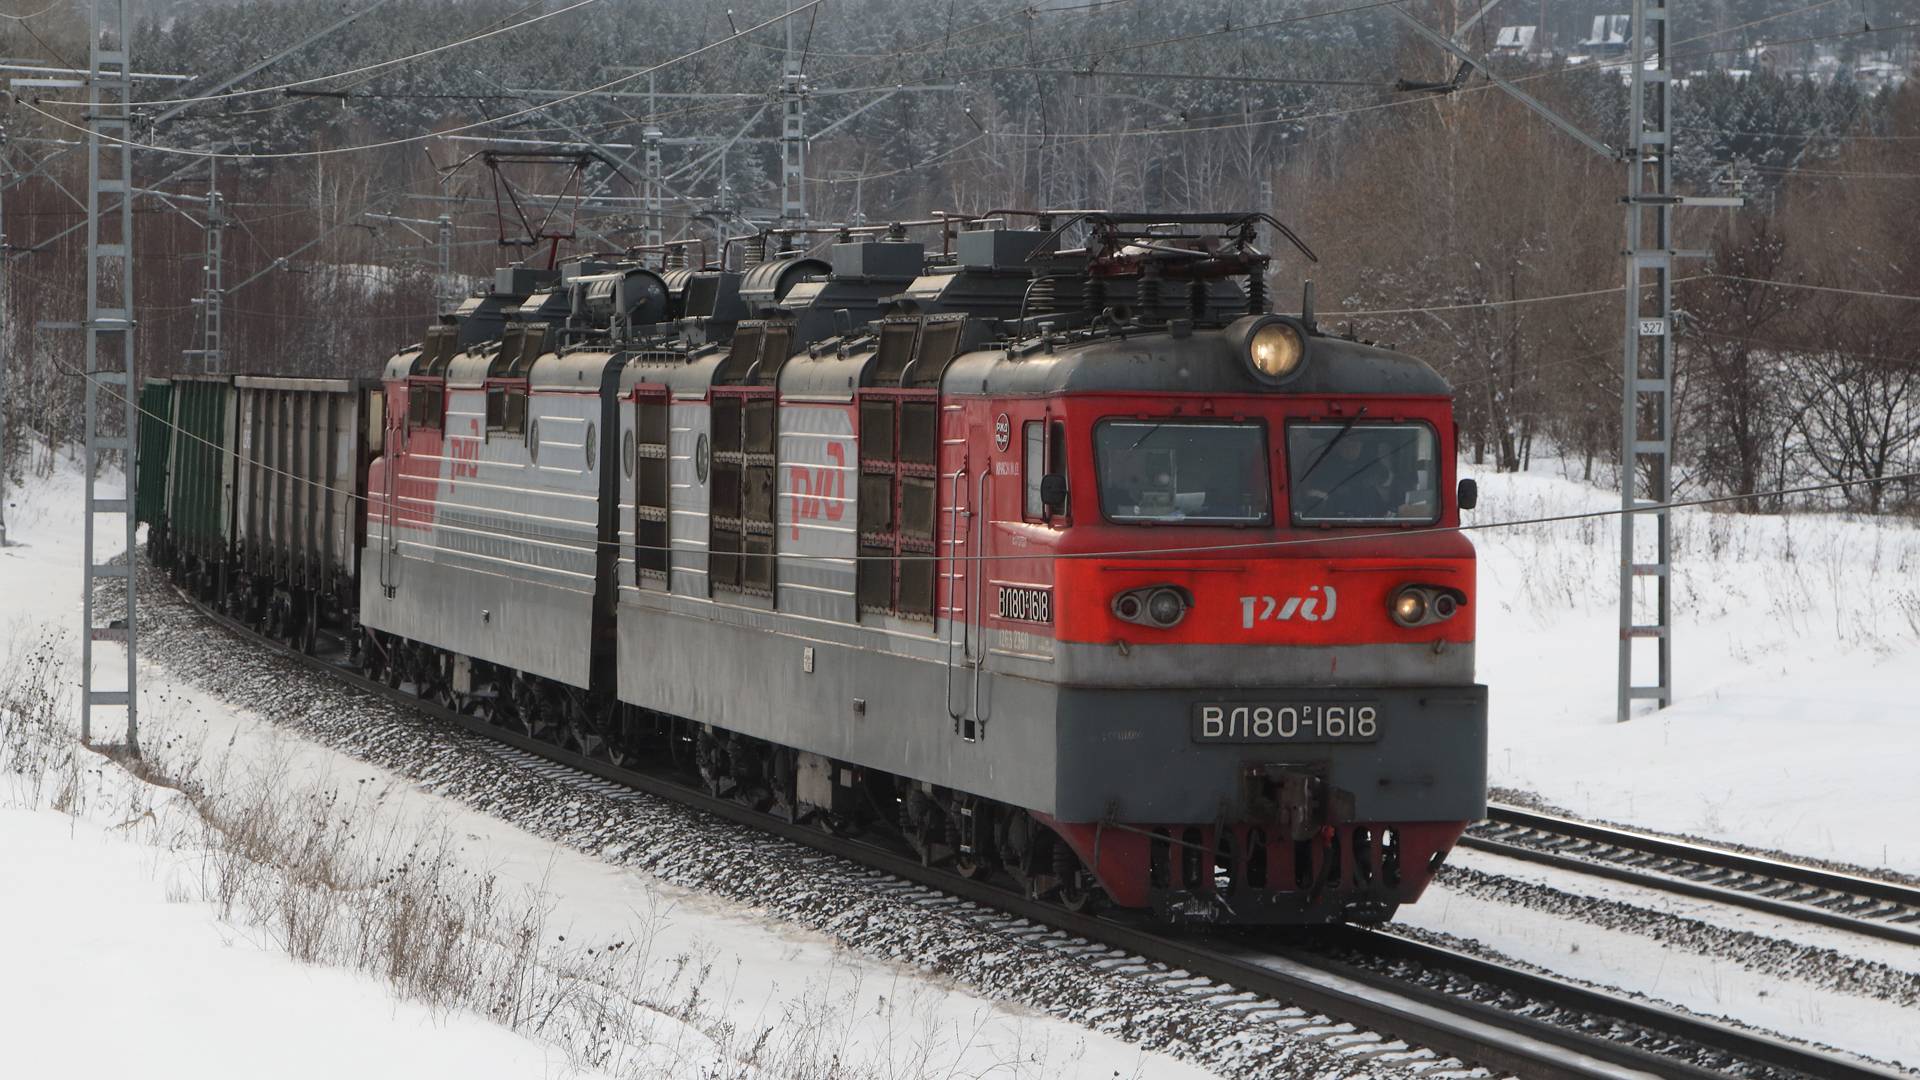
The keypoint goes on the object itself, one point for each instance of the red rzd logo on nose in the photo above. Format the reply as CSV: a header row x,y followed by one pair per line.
x,y
1258,609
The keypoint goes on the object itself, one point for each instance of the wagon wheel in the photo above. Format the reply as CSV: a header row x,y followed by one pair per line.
x,y
307,628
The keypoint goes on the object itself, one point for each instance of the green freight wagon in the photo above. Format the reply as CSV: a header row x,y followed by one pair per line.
x,y
156,438
200,482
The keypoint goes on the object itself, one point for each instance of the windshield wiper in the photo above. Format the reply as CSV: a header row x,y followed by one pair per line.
x,y
1335,441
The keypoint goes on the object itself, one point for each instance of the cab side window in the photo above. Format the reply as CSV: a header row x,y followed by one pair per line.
x,y
1043,453
1033,466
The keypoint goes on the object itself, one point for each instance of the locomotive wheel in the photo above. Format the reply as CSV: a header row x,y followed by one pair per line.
x,y
710,758
585,735
781,772
682,749
1080,891
974,866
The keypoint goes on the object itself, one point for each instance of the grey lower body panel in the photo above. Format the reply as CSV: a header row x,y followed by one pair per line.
x,y
1075,753
530,627
1133,752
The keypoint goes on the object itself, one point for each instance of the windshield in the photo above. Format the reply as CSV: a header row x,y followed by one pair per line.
x,y
1203,473
1363,472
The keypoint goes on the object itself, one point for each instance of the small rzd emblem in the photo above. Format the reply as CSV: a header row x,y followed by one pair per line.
x,y
1317,606
1002,431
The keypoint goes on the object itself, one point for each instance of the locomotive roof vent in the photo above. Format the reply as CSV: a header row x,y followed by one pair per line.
x,y
767,283
522,280
997,250
889,260
622,299
547,305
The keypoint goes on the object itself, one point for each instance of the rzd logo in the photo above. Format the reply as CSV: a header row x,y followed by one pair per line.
x,y
1258,609
822,491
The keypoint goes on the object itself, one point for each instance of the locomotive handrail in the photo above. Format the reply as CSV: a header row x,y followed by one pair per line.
x,y
980,517
953,585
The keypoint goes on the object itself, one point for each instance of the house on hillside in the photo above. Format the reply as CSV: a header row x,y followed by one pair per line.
x,y
1519,41
1610,36
1878,74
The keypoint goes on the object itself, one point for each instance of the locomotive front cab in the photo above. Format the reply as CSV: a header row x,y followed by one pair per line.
x,y
1265,633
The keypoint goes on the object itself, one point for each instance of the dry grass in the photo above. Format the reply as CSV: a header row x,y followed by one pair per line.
x,y
332,875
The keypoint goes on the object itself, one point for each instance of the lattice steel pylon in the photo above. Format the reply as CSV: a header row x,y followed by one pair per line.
x,y
1646,429
793,136
6,298
213,294
110,388
1646,419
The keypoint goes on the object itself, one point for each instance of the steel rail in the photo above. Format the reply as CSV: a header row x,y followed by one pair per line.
x,y
1869,906
1475,1032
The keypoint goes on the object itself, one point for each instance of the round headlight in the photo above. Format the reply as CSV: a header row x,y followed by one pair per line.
x,y
1165,607
1409,607
1275,350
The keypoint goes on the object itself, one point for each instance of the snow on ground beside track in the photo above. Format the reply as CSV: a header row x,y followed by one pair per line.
x,y
106,975
765,974
1796,647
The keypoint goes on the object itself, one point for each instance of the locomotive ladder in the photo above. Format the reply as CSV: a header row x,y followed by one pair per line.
x,y
110,420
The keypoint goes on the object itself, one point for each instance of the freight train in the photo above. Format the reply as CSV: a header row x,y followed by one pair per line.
x,y
1055,554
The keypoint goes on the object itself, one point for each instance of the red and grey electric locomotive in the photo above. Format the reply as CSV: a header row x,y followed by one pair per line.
x,y
1072,564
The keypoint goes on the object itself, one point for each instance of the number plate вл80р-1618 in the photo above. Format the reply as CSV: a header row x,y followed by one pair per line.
x,y
1307,722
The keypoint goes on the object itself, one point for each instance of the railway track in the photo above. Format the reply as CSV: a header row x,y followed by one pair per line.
x,y
1391,1000
1880,909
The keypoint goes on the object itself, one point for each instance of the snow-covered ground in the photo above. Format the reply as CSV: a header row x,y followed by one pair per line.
x,y
1795,728
1796,649
106,974
115,915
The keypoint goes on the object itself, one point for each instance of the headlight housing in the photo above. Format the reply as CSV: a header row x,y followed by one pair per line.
x,y
1159,606
1275,350
1424,605
1274,347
